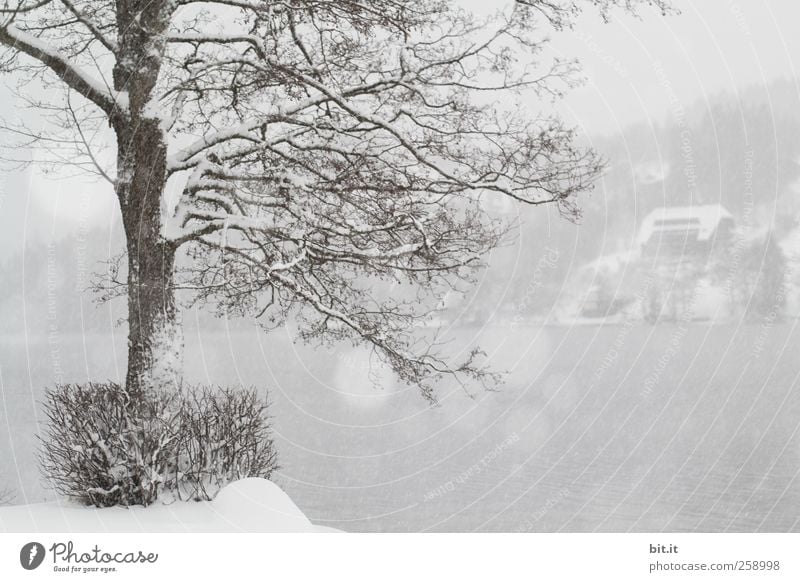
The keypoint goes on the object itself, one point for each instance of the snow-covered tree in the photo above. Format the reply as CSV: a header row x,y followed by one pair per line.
x,y
762,279
300,151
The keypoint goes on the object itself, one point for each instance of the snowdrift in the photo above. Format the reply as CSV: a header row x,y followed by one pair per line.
x,y
249,505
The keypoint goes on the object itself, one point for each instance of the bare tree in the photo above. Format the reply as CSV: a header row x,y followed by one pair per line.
x,y
313,148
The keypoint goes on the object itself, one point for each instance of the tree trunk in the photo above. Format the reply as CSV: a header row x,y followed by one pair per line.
x,y
155,341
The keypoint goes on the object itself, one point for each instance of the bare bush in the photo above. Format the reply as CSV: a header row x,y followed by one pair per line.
x,y
103,448
225,437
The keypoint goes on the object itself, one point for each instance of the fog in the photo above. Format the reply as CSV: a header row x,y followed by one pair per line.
x,y
650,381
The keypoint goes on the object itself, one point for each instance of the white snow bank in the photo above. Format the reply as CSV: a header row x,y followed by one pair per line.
x,y
249,505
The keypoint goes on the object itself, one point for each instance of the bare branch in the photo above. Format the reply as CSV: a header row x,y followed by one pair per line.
x,y
91,26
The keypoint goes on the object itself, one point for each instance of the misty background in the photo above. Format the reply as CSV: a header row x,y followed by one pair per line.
x,y
606,421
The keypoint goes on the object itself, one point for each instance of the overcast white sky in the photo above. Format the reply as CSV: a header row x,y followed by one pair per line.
x,y
713,46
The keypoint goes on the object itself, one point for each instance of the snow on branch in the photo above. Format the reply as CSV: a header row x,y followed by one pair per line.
x,y
107,99
342,184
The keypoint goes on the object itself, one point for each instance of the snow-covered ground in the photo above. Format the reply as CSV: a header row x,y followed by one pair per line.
x,y
249,505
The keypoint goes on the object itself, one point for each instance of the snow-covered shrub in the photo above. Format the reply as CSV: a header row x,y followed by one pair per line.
x,y
103,448
225,437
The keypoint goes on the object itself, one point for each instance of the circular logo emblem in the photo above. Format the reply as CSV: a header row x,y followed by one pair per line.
x,y
31,555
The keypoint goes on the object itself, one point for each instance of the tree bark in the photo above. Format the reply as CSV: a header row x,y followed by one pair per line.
x,y
155,339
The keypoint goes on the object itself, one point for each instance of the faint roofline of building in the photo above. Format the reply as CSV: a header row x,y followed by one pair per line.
x,y
705,217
